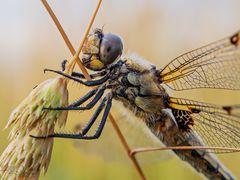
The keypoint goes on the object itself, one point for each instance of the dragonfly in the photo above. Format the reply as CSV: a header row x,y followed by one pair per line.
x,y
142,88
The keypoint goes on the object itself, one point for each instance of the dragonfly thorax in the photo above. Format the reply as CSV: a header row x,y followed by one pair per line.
x,y
138,88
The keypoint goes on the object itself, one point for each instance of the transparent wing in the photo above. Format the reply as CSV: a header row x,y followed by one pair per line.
x,y
137,135
218,126
216,65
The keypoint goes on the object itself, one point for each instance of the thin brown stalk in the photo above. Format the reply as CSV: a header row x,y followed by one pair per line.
x,y
141,150
126,147
68,43
65,37
76,55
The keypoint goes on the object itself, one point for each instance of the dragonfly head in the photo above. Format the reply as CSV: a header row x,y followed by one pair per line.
x,y
100,50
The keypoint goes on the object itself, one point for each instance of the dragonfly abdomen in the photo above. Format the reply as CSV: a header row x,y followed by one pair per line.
x,y
204,163
166,129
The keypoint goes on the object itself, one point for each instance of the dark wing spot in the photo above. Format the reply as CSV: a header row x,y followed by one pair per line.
x,y
228,109
195,110
234,39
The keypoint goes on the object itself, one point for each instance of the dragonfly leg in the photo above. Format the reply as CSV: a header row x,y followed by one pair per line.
x,y
86,83
75,105
107,101
101,125
93,76
63,64
80,75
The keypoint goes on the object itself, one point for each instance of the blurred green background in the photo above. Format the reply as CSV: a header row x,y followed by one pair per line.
x,y
157,30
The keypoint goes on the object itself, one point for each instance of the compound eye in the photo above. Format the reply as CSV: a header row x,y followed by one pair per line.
x,y
111,48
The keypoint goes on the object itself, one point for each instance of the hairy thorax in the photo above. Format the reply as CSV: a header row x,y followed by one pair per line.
x,y
138,89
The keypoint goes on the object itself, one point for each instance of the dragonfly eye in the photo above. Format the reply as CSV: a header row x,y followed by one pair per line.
x,y
111,48
100,50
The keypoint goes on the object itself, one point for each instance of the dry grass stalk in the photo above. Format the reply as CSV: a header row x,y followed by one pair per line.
x,y
25,157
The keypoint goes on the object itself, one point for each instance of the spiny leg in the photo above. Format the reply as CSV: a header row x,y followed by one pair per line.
x,y
94,117
84,98
91,122
93,76
95,99
89,125
74,106
101,125
80,75
86,83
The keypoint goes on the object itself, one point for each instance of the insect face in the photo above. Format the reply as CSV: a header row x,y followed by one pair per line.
x,y
100,50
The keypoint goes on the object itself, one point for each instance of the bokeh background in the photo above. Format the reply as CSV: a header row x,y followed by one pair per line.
x,y
158,30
